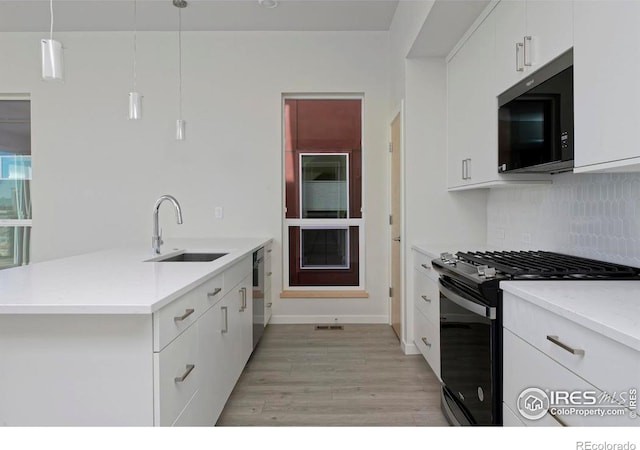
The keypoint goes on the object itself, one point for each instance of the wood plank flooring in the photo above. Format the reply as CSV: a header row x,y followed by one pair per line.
x,y
359,376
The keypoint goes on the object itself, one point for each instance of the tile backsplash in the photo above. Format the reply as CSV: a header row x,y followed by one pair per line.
x,y
590,215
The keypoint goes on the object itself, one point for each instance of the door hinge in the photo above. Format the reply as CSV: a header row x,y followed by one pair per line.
x,y
390,146
390,292
390,219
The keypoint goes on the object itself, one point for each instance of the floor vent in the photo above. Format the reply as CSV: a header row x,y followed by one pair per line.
x,y
329,327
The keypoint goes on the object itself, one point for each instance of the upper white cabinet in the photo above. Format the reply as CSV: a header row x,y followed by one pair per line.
x,y
529,34
606,88
472,115
472,110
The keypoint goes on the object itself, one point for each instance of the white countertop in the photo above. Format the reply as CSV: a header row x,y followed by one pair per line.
x,y
611,308
115,281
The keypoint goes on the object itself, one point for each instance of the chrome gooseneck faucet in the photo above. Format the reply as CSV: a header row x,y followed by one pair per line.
x,y
156,238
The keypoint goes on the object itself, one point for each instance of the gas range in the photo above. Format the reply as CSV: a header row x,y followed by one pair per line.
x,y
483,271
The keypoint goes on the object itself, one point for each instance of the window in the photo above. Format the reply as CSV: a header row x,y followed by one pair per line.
x,y
15,181
323,192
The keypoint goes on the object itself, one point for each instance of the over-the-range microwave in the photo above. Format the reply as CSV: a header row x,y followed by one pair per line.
x,y
535,120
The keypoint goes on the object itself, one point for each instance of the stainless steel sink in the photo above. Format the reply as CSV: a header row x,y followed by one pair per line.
x,y
191,257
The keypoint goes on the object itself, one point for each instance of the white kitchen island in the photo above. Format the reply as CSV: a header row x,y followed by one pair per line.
x,y
110,339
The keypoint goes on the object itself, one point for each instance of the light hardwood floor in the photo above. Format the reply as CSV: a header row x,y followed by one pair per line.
x,y
359,376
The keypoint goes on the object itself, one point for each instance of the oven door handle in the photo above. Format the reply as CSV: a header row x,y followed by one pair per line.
x,y
488,312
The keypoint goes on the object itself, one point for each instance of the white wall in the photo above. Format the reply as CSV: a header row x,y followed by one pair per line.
x,y
97,175
592,215
432,215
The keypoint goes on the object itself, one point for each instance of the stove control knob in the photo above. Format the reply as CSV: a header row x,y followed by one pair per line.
x,y
482,270
490,272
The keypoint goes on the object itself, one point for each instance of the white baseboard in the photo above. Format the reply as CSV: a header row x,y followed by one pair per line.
x,y
410,349
275,319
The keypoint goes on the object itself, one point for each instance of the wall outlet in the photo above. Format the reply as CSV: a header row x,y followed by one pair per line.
x,y
219,212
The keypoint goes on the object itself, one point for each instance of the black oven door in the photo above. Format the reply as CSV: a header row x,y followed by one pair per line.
x,y
469,356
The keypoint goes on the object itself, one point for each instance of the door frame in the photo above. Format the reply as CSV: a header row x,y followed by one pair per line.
x,y
398,111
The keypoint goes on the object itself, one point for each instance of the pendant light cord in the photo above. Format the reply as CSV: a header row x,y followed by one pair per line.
x,y
135,43
51,14
179,63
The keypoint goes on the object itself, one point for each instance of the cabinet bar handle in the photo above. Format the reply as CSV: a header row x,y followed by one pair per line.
x,y
243,298
558,419
425,298
184,376
468,168
464,163
226,319
527,50
187,313
426,266
562,345
519,68
269,305
269,274
215,292
269,251
427,343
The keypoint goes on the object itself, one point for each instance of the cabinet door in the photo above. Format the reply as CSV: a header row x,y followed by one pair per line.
x,y
472,110
509,19
606,88
550,26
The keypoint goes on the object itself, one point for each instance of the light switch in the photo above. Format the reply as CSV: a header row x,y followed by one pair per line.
x,y
219,212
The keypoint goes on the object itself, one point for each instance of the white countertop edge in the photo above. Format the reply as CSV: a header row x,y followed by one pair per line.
x,y
572,315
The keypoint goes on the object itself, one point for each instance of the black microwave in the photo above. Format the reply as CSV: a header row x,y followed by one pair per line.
x,y
535,121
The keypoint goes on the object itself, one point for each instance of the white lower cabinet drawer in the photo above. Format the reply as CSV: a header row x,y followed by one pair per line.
x,y
427,296
176,375
427,339
526,368
509,418
595,354
176,317
194,414
422,263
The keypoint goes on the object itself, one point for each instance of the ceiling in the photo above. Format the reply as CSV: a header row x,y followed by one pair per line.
x,y
200,15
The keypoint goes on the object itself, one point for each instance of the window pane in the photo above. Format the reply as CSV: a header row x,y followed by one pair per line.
x,y
14,246
324,186
15,200
324,248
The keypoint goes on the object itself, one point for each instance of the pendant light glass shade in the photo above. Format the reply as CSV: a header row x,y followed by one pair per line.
x,y
135,106
181,130
52,65
52,61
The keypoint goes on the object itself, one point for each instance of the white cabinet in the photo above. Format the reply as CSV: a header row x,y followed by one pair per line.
x,y
472,115
546,351
472,127
606,88
426,310
176,366
529,34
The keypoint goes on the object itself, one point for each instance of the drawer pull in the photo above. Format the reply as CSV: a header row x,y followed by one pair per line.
x,y
269,251
427,343
184,376
269,274
558,419
226,319
243,299
573,351
426,266
269,305
215,292
425,298
187,313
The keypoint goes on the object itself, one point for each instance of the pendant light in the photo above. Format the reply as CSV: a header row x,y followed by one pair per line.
x,y
135,99
52,64
180,123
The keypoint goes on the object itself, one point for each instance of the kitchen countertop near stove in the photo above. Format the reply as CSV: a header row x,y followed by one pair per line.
x,y
611,308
